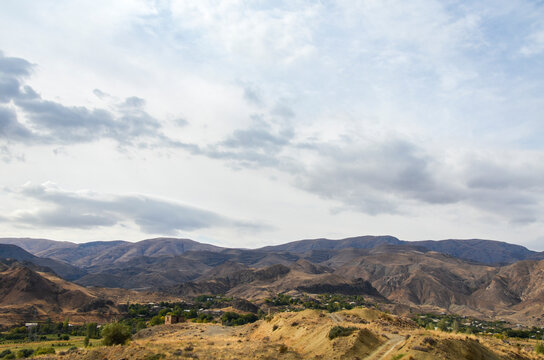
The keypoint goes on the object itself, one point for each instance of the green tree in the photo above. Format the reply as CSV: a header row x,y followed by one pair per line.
x,y
156,320
442,324
92,331
66,326
455,326
115,334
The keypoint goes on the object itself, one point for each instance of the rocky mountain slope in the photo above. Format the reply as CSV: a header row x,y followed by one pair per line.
x,y
63,269
107,252
110,252
484,251
414,274
28,294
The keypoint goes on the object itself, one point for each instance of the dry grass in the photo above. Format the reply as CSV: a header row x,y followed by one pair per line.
x,y
304,335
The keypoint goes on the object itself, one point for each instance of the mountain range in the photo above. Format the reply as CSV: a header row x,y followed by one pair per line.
x,y
473,277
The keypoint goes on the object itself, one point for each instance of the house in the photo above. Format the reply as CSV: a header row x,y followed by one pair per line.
x,y
172,319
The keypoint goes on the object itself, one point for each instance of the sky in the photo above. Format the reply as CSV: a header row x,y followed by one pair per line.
x,y
250,123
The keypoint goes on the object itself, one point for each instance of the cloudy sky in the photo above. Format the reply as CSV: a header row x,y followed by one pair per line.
x,y
246,123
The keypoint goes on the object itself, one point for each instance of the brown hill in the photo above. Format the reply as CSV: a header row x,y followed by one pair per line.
x,y
144,272
64,270
406,273
484,251
28,295
367,334
108,252
36,246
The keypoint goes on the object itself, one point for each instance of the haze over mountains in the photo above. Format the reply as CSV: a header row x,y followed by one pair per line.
x,y
476,277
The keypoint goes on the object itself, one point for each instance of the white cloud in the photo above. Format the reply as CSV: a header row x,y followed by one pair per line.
x,y
60,208
409,111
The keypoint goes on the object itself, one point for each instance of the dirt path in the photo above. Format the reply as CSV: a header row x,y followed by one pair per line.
x,y
387,348
336,318
384,350
215,330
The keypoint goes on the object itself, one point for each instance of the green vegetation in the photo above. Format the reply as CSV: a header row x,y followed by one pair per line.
x,y
467,325
203,318
44,351
7,354
24,353
116,334
234,319
339,331
139,316
539,348
48,331
329,302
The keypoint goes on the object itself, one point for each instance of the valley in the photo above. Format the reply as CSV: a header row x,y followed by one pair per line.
x,y
388,294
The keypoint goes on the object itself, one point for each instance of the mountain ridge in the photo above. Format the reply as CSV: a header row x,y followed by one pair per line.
x,y
491,252
406,273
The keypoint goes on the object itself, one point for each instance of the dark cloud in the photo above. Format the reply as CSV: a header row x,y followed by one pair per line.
x,y
181,122
13,71
88,210
252,95
282,109
374,177
100,94
50,122
504,174
388,175
10,128
16,67
511,186
133,102
260,145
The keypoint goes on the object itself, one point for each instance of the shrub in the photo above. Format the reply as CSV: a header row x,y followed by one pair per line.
x,y
24,353
233,319
4,353
420,348
44,351
429,341
339,331
539,348
156,320
203,318
115,334
283,349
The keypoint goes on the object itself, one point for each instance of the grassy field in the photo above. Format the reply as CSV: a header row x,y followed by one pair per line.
x,y
58,345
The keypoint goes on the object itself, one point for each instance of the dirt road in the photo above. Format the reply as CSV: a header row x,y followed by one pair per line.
x,y
336,318
387,348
